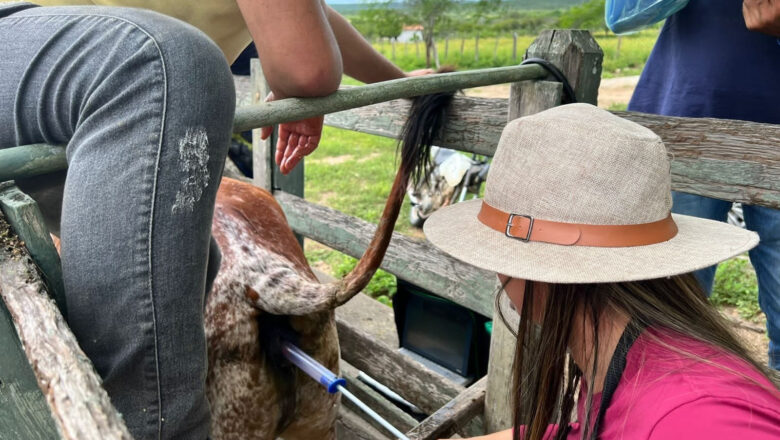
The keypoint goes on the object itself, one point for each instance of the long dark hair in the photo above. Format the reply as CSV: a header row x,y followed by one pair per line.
x,y
546,378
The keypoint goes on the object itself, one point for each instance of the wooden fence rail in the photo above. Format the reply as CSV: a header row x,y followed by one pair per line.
x,y
30,160
725,159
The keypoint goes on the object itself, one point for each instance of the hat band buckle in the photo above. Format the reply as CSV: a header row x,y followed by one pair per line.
x,y
509,225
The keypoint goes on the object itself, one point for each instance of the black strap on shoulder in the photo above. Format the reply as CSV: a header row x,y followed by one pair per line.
x,y
568,92
615,371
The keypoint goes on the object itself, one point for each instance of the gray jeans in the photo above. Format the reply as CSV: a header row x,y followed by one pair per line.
x,y
145,105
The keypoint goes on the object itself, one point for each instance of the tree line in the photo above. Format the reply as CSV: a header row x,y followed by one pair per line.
x,y
488,18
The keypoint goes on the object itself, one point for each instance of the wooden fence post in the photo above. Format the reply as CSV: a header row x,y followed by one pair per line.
x,y
579,57
476,48
514,47
22,213
262,150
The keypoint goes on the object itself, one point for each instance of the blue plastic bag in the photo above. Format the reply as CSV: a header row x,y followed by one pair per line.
x,y
623,16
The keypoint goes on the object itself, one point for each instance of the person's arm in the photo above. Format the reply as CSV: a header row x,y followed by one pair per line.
x,y
501,435
297,49
300,58
762,16
360,60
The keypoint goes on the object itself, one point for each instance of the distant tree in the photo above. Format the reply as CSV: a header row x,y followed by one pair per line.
x,y
430,13
434,14
589,15
379,19
389,21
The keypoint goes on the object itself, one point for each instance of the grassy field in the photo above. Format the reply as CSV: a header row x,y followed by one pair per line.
x,y
497,51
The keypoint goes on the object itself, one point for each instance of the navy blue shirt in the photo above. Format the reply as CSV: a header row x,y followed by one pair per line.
x,y
707,64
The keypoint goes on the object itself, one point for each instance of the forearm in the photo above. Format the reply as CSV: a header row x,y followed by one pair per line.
x,y
296,46
501,435
360,60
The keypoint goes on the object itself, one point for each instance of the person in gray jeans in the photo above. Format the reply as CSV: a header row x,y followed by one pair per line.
x,y
145,106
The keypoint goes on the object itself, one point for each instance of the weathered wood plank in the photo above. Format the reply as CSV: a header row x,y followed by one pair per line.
x,y
294,109
416,261
79,405
350,426
262,150
529,97
473,124
394,415
720,158
24,413
726,159
25,218
370,315
576,54
498,409
451,417
411,380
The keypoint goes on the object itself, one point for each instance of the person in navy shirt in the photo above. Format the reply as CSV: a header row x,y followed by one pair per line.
x,y
721,59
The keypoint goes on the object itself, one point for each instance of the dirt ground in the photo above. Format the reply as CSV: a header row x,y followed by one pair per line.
x,y
612,91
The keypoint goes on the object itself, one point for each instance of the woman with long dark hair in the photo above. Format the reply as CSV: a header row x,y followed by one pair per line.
x,y
576,221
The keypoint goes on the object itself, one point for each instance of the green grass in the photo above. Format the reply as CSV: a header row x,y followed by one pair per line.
x,y
634,50
618,106
736,286
353,172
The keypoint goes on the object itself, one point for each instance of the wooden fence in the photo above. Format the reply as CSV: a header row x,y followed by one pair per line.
x,y
732,160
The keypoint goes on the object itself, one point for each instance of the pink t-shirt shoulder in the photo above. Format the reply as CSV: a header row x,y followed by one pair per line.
x,y
665,394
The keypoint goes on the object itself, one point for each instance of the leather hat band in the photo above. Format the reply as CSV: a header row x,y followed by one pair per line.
x,y
527,228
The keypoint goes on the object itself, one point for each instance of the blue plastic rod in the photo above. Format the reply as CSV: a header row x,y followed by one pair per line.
x,y
314,369
332,382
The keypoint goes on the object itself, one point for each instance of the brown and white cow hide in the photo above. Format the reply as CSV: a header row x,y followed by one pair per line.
x,y
265,279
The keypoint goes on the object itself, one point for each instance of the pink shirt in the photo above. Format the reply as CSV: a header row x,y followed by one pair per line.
x,y
665,395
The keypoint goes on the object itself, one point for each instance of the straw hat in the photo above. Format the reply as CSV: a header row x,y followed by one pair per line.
x,y
578,195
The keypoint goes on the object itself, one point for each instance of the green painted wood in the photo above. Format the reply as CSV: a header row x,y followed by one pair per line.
x,y
414,260
31,160
25,218
24,413
294,109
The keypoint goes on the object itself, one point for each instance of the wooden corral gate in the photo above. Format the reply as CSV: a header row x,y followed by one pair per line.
x,y
42,370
